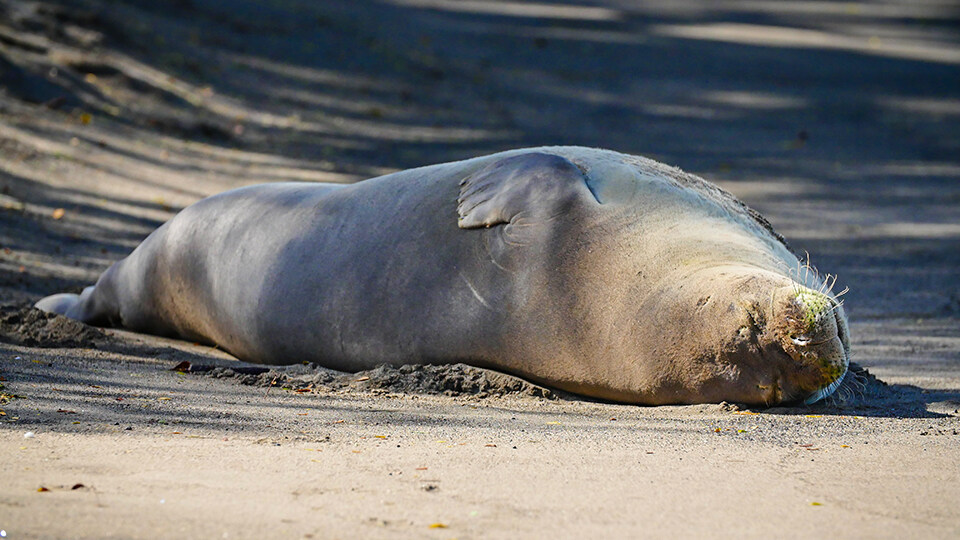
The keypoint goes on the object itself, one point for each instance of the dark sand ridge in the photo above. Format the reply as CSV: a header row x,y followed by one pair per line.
x,y
838,122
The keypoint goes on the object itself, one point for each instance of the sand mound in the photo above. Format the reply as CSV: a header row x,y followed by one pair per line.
x,y
31,327
448,380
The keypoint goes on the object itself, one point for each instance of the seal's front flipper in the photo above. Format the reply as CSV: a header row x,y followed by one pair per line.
x,y
534,185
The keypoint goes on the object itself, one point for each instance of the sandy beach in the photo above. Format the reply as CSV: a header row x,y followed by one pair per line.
x,y
838,122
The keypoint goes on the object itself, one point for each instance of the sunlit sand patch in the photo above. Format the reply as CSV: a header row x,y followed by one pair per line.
x,y
782,36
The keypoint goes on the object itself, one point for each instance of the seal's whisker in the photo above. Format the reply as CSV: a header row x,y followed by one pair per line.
x,y
796,271
836,399
826,287
851,389
834,306
857,388
823,284
832,284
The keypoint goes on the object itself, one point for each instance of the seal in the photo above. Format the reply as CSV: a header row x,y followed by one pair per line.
x,y
587,270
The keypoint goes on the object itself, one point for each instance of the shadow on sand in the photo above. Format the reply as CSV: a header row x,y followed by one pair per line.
x,y
862,394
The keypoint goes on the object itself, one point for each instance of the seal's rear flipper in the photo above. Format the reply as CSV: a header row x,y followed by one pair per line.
x,y
65,303
58,303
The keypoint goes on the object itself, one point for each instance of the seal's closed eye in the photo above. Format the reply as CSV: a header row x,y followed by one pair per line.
x,y
533,184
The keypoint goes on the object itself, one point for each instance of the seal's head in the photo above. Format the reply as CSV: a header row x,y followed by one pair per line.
x,y
750,336
788,344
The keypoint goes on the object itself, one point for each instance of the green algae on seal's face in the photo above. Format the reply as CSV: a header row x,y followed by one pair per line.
x,y
813,330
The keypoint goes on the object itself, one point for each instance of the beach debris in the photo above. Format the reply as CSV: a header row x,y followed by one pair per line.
x,y
58,213
42,489
29,435
182,367
438,526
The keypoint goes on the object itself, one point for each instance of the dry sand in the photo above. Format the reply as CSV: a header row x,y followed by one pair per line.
x,y
840,126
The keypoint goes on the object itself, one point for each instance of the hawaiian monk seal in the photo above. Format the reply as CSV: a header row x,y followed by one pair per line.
x,y
595,272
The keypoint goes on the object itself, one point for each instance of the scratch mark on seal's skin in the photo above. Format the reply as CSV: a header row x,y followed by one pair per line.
x,y
498,265
487,252
475,293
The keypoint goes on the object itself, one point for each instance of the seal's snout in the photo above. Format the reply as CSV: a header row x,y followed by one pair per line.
x,y
812,330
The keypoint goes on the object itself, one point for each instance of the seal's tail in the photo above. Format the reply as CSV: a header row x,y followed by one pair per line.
x,y
67,304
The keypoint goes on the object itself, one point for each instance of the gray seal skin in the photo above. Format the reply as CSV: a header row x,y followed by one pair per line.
x,y
594,272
